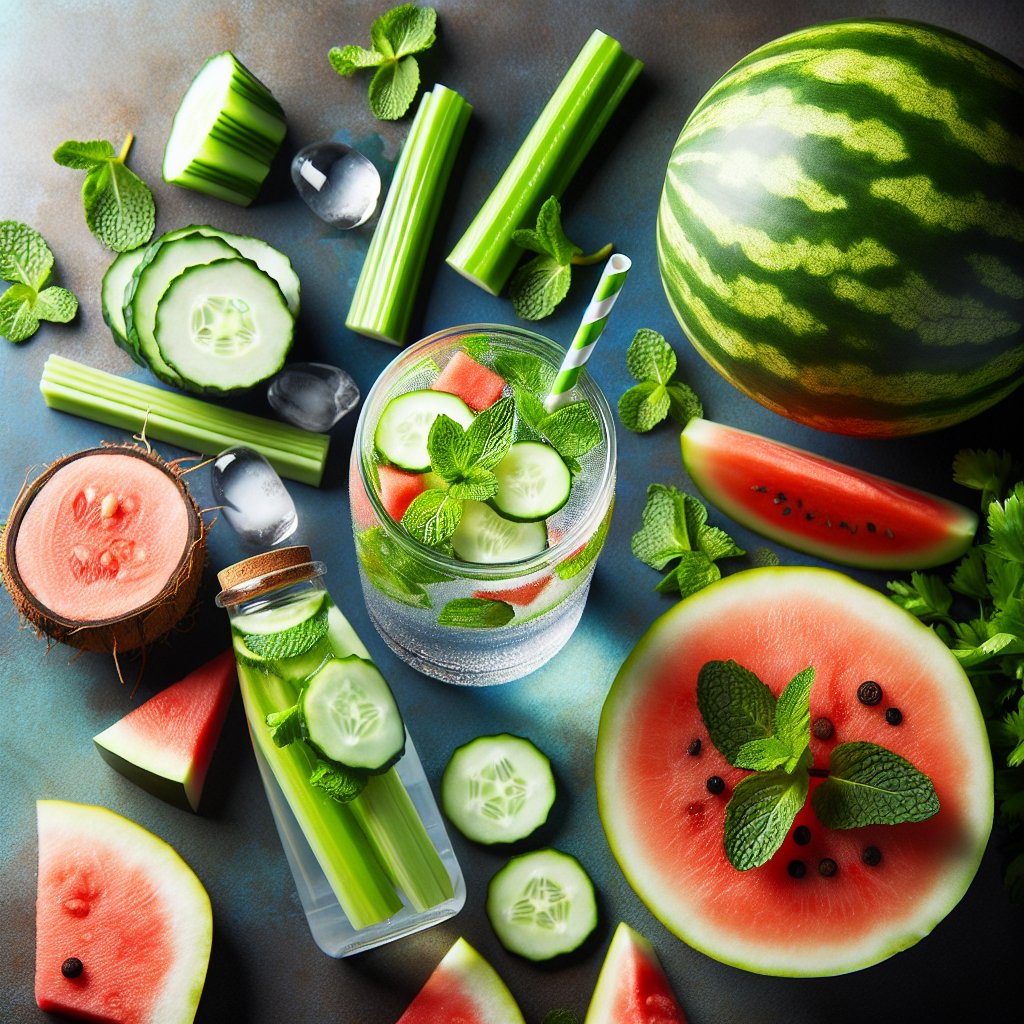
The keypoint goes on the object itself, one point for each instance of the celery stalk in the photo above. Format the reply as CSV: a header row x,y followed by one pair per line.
x,y
549,156
384,295
181,420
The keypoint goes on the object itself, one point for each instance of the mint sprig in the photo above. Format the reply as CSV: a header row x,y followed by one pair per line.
x,y
394,37
540,284
476,613
26,261
657,394
119,207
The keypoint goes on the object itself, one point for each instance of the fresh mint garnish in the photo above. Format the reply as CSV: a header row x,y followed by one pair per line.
x,y
527,372
394,37
674,528
285,726
576,563
393,572
572,429
652,363
433,516
736,706
119,207
539,285
759,815
338,783
26,261
476,613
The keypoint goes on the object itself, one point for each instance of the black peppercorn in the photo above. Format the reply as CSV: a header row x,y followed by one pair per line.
x,y
715,784
694,748
869,692
827,867
893,716
801,835
72,967
823,728
796,869
872,856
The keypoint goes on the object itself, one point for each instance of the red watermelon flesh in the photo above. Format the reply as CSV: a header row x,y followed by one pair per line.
x,y
666,828
398,488
166,744
477,385
463,989
122,902
632,987
521,596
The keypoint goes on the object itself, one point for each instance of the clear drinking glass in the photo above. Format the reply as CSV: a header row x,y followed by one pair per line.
x,y
407,585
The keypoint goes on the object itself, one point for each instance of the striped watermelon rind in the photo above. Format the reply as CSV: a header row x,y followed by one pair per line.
x,y
841,230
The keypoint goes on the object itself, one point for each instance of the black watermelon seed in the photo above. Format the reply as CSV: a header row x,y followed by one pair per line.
x,y
869,692
72,967
796,869
827,867
872,856
779,498
715,784
809,516
871,527
823,728
694,748
801,835
760,488
787,511
893,716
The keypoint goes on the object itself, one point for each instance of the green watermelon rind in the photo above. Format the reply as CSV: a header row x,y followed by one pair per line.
x,y
974,755
185,900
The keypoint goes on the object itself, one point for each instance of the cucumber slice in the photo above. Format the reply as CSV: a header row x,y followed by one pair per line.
x,y
223,326
542,904
497,789
163,261
484,536
404,425
115,283
533,482
349,715
225,134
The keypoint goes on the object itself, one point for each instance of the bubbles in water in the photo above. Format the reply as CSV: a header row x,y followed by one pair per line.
x,y
312,395
338,183
255,502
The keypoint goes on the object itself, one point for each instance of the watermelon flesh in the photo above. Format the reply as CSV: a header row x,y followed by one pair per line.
x,y
477,385
121,901
822,507
666,828
463,989
398,489
632,987
166,744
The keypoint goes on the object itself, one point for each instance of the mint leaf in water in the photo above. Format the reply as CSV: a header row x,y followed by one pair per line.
x,y
870,785
433,516
476,613
652,363
26,261
735,705
119,207
759,815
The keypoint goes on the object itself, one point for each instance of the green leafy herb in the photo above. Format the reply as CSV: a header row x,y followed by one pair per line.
x,y
575,564
476,613
26,261
338,783
392,571
394,37
675,527
977,609
865,784
652,363
572,429
119,208
539,285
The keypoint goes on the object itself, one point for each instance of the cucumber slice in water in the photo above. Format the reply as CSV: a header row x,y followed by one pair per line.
x,y
404,425
115,283
225,134
542,904
350,717
223,326
533,482
484,536
497,789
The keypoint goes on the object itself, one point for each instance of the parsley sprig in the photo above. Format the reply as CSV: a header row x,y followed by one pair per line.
x,y
27,261
657,393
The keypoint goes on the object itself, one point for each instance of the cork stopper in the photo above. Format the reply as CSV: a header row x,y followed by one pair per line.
x,y
266,571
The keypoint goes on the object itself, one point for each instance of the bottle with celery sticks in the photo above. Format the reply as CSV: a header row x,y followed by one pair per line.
x,y
360,827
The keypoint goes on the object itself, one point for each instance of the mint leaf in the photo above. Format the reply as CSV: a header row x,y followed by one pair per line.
x,y
548,238
404,30
490,433
285,726
449,447
735,705
26,261
527,372
576,563
650,357
693,572
870,785
25,258
644,406
763,754
759,815
652,362
538,286
477,484
393,88
346,60
433,516
684,405
572,429
793,715
476,613
392,571
339,783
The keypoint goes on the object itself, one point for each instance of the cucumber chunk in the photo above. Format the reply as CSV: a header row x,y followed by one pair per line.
x,y
349,715
115,283
542,904
497,789
484,536
404,425
223,326
533,482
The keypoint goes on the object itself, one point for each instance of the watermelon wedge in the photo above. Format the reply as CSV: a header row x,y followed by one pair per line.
x,y
632,987
828,900
463,989
165,745
477,385
123,926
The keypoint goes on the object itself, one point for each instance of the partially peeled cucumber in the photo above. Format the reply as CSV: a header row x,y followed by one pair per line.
x,y
225,134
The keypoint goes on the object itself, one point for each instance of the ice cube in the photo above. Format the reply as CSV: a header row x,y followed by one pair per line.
x,y
338,183
252,497
312,395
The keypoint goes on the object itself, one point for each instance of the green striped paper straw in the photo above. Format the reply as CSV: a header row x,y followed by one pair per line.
x,y
589,330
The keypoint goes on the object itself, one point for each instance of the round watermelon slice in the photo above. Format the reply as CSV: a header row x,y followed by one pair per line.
x,y
463,989
829,901
123,926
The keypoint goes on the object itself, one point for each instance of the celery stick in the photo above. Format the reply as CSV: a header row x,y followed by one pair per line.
x,y
550,155
187,422
386,290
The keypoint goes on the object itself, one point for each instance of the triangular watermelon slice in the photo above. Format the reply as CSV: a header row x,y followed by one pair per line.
x,y
464,988
123,926
166,744
632,987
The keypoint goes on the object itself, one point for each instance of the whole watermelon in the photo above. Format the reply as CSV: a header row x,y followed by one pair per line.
x,y
841,231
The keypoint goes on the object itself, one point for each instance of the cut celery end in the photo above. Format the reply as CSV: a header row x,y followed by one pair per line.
x,y
385,293
549,156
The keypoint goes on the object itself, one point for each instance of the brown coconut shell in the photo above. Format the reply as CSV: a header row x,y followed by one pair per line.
x,y
143,625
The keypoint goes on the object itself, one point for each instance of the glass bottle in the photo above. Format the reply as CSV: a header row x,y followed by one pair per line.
x,y
369,870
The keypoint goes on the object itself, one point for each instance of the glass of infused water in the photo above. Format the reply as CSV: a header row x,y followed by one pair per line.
x,y
478,512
